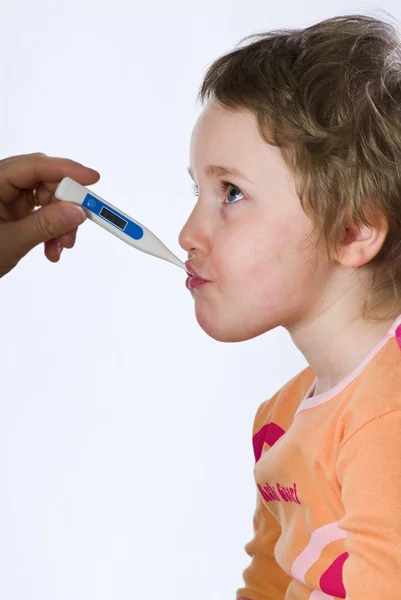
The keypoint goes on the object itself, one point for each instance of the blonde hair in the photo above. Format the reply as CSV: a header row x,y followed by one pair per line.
x,y
329,96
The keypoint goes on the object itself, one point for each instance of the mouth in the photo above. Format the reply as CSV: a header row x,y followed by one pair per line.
x,y
194,280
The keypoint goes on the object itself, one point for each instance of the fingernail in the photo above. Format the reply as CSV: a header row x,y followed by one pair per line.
x,y
59,248
74,215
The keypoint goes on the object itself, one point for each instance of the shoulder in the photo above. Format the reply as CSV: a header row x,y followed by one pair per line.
x,y
375,392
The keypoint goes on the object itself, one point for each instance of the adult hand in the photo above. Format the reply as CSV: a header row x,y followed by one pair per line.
x,y
24,178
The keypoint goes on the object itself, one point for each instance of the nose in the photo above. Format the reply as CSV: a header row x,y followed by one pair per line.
x,y
194,237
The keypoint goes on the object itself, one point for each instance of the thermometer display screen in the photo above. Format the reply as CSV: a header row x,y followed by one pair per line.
x,y
109,216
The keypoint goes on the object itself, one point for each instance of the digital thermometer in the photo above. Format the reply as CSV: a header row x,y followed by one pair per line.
x,y
115,221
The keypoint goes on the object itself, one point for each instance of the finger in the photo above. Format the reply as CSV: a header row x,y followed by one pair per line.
x,y
29,171
53,250
25,203
68,239
22,206
44,195
47,223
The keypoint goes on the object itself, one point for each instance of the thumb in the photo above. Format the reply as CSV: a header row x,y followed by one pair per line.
x,y
41,225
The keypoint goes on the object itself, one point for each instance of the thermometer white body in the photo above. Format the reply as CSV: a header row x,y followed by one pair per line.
x,y
115,221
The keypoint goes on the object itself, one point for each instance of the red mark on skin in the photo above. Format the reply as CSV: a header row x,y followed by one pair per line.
x,y
269,434
331,582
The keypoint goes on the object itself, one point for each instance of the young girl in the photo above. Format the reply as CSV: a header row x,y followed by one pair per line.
x,y
296,160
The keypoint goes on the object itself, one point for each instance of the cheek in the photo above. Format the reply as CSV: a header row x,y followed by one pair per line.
x,y
266,260
233,255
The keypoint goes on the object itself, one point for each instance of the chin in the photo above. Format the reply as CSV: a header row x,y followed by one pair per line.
x,y
229,332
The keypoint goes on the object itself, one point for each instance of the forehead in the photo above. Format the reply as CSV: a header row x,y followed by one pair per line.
x,y
218,124
223,136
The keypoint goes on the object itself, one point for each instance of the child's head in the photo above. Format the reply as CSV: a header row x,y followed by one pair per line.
x,y
311,119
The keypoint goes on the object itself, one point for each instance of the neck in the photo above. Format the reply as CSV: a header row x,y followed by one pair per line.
x,y
335,341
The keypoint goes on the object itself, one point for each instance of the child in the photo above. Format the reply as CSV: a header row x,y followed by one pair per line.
x,y
296,159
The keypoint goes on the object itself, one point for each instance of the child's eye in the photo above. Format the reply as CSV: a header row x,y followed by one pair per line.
x,y
225,186
233,191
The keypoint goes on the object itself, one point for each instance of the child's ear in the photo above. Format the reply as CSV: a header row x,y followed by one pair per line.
x,y
362,243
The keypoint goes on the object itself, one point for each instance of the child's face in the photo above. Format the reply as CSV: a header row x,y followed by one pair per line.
x,y
248,240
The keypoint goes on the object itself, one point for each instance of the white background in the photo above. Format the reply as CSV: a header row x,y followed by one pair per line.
x,y
125,432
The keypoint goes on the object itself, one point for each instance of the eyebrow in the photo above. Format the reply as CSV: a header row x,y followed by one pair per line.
x,y
219,171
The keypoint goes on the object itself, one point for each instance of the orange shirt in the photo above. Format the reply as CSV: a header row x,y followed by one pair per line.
x,y
328,472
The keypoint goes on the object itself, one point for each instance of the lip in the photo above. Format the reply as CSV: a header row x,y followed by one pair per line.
x,y
194,280
192,273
